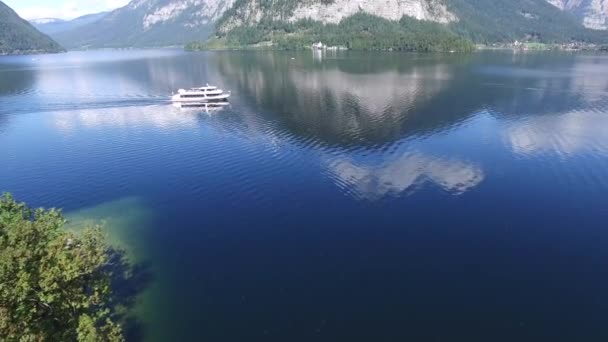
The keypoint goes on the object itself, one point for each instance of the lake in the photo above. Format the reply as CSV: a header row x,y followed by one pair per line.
x,y
340,197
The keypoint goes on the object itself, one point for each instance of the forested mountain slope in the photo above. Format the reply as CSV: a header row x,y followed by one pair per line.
x,y
592,13
410,25
489,21
17,36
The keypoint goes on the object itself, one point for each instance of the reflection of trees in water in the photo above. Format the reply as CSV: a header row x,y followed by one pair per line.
x,y
544,102
545,84
128,282
127,222
359,109
369,99
16,81
13,83
555,103
327,103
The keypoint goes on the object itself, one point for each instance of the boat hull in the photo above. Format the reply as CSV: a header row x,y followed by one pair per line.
x,y
208,106
202,99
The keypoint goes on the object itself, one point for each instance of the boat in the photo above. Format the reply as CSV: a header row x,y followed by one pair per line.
x,y
200,95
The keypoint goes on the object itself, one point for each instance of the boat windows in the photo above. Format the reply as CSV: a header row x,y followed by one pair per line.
x,y
196,95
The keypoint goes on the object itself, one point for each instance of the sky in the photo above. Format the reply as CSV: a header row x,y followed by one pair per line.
x,y
62,9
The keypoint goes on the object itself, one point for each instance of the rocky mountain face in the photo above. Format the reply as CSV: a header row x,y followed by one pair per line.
x,y
592,13
144,23
17,36
252,12
149,23
481,21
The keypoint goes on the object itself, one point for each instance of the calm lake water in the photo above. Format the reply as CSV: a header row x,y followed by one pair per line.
x,y
350,197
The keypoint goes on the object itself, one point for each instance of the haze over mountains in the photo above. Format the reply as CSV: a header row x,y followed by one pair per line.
x,y
148,23
55,26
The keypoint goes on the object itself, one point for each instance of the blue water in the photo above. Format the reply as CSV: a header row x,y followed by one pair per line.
x,y
344,197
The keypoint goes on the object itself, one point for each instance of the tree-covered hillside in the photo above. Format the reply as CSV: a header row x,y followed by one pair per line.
x,y
358,32
491,21
17,36
251,22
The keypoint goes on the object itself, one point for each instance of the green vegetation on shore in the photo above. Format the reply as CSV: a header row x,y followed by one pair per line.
x,y
358,32
55,284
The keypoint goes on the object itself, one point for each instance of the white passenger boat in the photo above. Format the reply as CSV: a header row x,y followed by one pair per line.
x,y
200,95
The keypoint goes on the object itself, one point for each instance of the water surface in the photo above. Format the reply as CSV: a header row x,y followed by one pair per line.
x,y
345,197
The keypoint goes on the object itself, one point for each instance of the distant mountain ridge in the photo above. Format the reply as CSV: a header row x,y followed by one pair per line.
x,y
42,21
148,23
17,36
52,26
489,21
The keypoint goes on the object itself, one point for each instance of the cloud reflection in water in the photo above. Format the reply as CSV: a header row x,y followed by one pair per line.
x,y
163,117
564,134
403,174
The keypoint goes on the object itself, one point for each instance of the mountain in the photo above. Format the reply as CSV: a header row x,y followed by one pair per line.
x,y
52,26
147,23
489,21
413,25
43,21
17,36
481,21
406,25
254,12
592,14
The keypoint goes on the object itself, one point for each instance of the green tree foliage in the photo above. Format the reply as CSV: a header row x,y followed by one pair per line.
x,y
55,285
358,32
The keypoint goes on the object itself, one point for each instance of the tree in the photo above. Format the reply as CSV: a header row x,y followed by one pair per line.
x,y
55,285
